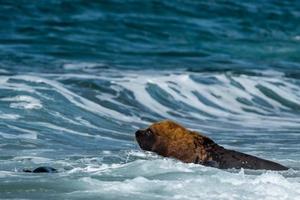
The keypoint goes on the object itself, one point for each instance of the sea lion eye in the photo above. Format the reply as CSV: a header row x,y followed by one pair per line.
x,y
148,132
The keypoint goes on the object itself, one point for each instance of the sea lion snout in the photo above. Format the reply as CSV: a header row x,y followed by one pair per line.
x,y
139,132
145,138
143,133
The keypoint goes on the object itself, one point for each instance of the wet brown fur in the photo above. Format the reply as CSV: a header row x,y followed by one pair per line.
x,y
170,139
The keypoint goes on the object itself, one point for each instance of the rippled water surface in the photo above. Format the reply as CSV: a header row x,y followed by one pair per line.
x,y
78,78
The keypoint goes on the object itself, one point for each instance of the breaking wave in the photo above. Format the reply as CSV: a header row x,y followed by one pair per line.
x,y
83,124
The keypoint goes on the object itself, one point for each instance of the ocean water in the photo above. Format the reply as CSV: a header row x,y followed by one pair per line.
x,y
78,78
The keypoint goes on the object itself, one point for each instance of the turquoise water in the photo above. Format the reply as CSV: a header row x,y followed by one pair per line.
x,y
78,78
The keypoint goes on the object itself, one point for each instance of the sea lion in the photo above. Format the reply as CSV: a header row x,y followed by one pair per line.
x,y
41,170
170,139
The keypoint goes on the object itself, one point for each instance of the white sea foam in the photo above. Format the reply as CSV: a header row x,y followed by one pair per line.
x,y
4,71
167,179
23,102
224,95
59,129
20,136
181,87
297,37
9,116
76,99
34,159
227,95
83,65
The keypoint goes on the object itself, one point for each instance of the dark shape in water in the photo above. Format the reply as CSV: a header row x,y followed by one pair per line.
x,y
41,170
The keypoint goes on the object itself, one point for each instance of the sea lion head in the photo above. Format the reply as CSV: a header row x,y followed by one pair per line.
x,y
169,139
146,139
158,134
